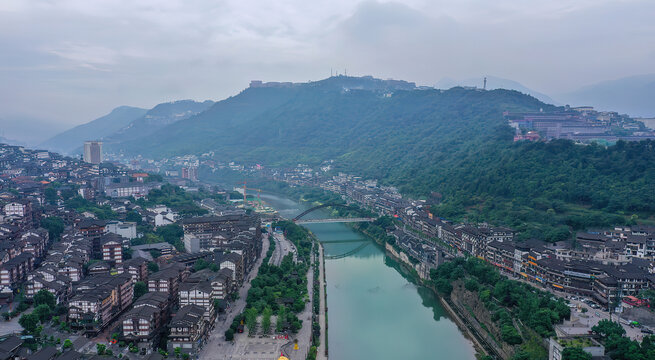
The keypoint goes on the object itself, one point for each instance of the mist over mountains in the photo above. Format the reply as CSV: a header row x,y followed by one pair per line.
x,y
633,95
494,83
125,123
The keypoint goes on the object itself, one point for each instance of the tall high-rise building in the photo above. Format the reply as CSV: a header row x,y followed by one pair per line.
x,y
93,152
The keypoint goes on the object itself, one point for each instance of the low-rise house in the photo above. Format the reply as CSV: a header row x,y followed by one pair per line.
x,y
145,322
231,261
188,329
21,208
59,286
112,249
16,269
126,229
168,280
99,299
163,247
201,294
136,267
92,227
99,268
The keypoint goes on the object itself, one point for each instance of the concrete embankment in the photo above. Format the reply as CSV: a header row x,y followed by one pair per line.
x,y
322,315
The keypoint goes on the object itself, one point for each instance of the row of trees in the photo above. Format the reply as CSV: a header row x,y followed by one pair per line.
x,y
279,289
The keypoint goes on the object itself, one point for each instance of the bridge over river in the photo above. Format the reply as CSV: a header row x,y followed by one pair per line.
x,y
375,312
335,220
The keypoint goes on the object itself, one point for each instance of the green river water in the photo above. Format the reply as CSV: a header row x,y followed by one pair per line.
x,y
374,312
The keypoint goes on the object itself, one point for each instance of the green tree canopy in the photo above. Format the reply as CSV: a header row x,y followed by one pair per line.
x,y
575,353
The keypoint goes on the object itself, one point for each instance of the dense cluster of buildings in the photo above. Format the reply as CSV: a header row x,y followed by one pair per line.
x,y
580,124
91,265
604,265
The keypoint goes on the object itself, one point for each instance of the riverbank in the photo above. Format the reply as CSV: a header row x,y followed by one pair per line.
x,y
468,326
322,317
371,309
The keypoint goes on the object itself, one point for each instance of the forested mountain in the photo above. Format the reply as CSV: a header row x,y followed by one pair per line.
x,y
125,123
545,190
69,140
452,142
333,119
156,118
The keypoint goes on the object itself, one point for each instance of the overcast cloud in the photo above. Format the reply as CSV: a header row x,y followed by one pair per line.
x,y
70,61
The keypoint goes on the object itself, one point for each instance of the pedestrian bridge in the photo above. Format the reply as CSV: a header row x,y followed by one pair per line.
x,y
351,252
337,220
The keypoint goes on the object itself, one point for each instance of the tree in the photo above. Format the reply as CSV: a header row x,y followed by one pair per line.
x,y
185,356
29,322
134,216
153,267
140,289
510,335
575,353
606,329
266,320
200,264
251,320
229,335
54,225
45,297
178,351
471,285
50,195
101,348
43,312
67,344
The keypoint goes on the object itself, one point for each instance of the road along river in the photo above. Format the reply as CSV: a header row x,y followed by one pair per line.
x,y
374,312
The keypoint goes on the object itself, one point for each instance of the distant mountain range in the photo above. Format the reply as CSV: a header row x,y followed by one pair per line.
x,y
156,118
72,139
124,123
494,83
633,95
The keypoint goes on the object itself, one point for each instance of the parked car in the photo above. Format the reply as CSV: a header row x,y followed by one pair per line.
x,y
646,331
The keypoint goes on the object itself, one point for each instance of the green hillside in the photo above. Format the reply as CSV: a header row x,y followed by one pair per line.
x,y
156,118
451,145
321,120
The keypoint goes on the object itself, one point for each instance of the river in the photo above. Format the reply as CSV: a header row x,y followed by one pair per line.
x,y
374,311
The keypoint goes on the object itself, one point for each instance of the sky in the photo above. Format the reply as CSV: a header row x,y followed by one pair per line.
x,y
66,62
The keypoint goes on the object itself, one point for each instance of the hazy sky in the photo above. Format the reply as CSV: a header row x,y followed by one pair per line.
x,y
70,61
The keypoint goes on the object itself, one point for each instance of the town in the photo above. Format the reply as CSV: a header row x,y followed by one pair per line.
x,y
145,260
603,272
98,259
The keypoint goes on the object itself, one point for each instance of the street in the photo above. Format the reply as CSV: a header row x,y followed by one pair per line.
x,y
582,322
216,346
282,248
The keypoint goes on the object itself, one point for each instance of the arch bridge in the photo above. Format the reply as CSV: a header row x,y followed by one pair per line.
x,y
298,218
